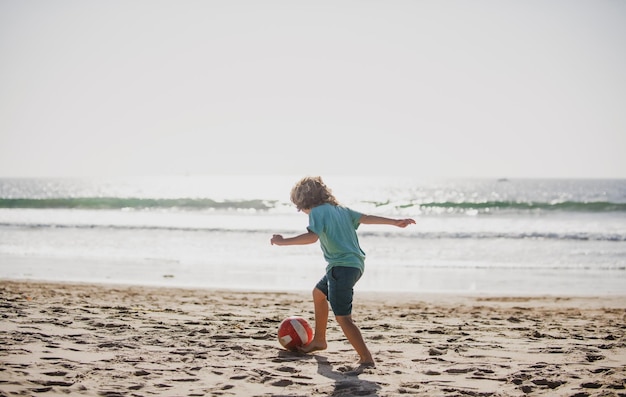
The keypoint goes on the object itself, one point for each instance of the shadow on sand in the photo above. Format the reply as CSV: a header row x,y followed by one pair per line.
x,y
346,383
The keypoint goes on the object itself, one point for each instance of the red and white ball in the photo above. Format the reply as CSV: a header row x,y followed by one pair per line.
x,y
294,332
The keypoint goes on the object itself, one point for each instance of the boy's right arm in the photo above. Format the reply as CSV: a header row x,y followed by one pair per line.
x,y
381,220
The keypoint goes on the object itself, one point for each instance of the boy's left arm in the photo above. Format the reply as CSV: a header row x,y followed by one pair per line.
x,y
306,238
381,220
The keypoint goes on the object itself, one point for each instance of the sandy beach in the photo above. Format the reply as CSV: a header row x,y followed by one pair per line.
x,y
111,340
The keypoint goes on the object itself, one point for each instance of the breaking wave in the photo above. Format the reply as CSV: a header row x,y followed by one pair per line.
x,y
113,203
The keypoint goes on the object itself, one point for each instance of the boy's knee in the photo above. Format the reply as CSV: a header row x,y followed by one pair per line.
x,y
343,320
318,294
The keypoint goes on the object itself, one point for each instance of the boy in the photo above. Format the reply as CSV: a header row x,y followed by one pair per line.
x,y
335,227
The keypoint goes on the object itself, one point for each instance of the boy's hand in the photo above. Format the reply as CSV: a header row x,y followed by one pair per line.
x,y
276,239
404,222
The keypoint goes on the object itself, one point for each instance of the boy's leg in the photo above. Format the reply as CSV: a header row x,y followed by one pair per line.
x,y
353,333
340,292
321,321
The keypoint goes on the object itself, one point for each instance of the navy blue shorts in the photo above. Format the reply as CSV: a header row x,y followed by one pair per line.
x,y
338,286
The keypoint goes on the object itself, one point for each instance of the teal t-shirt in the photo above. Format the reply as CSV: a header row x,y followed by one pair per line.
x,y
336,227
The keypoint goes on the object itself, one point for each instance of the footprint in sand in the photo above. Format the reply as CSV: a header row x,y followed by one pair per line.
x,y
282,383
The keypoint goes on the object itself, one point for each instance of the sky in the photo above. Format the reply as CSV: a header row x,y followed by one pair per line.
x,y
439,88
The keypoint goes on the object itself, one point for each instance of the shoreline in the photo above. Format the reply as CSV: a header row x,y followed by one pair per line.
x,y
128,340
377,278
614,299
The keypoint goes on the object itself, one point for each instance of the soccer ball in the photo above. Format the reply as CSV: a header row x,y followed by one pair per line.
x,y
294,332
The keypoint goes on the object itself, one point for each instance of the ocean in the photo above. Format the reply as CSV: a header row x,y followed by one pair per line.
x,y
473,236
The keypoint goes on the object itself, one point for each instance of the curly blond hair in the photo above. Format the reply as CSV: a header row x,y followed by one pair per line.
x,y
310,192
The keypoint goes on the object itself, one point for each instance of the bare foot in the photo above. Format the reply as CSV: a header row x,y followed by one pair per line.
x,y
312,347
360,368
357,369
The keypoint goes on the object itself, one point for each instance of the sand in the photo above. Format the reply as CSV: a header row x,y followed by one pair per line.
x,y
104,340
